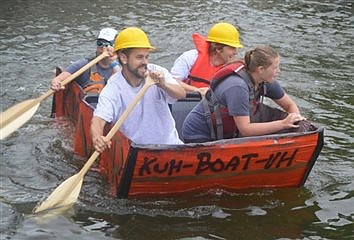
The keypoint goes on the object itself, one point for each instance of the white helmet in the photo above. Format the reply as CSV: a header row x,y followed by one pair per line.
x,y
108,34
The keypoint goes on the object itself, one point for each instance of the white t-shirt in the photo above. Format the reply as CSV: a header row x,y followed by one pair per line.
x,y
151,121
183,64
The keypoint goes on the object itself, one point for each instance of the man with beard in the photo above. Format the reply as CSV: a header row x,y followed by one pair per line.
x,y
95,78
150,122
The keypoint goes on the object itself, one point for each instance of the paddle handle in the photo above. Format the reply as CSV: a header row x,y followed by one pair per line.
x,y
149,82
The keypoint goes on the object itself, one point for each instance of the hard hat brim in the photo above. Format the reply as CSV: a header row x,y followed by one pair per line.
x,y
120,47
236,45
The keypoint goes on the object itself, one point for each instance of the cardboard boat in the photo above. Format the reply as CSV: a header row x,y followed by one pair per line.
x,y
270,161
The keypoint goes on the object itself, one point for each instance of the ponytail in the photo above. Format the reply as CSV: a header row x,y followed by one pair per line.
x,y
260,56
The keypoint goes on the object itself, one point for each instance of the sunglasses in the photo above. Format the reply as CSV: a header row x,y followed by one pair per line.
x,y
104,43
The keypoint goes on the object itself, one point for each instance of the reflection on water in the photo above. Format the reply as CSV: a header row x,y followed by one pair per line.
x,y
315,39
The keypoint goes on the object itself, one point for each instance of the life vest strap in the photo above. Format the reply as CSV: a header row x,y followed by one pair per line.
x,y
191,79
218,121
211,105
207,114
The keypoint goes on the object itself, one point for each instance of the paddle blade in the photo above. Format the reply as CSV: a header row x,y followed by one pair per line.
x,y
14,117
65,194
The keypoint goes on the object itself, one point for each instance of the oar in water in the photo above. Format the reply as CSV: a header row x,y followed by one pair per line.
x,y
17,115
68,191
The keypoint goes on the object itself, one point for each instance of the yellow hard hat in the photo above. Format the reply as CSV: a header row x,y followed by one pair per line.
x,y
224,33
132,37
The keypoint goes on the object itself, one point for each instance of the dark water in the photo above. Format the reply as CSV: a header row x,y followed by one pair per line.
x,y
315,39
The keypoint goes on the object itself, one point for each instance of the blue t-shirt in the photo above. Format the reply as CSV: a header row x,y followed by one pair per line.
x,y
233,93
84,78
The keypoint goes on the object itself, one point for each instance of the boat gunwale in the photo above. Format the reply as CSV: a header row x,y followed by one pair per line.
x,y
319,131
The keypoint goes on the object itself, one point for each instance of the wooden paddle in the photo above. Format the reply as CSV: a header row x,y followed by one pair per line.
x,y
17,115
68,191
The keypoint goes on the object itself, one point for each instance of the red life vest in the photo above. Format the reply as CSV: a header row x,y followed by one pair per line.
x,y
221,124
96,82
202,71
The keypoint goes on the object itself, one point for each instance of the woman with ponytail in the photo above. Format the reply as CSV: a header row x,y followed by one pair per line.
x,y
233,106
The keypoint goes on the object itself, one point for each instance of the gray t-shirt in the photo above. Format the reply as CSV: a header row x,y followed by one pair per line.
x,y
233,92
84,78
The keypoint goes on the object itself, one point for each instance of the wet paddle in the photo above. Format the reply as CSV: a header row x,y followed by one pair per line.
x,y
17,115
68,191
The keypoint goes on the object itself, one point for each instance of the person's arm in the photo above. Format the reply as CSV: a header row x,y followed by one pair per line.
x,y
99,141
187,87
287,104
281,98
246,128
237,100
71,69
174,89
113,57
56,82
190,88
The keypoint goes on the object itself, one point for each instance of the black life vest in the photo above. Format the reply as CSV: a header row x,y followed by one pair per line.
x,y
96,82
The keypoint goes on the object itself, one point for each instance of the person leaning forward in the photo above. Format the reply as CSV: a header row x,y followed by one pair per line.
x,y
95,78
151,121
195,68
234,101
